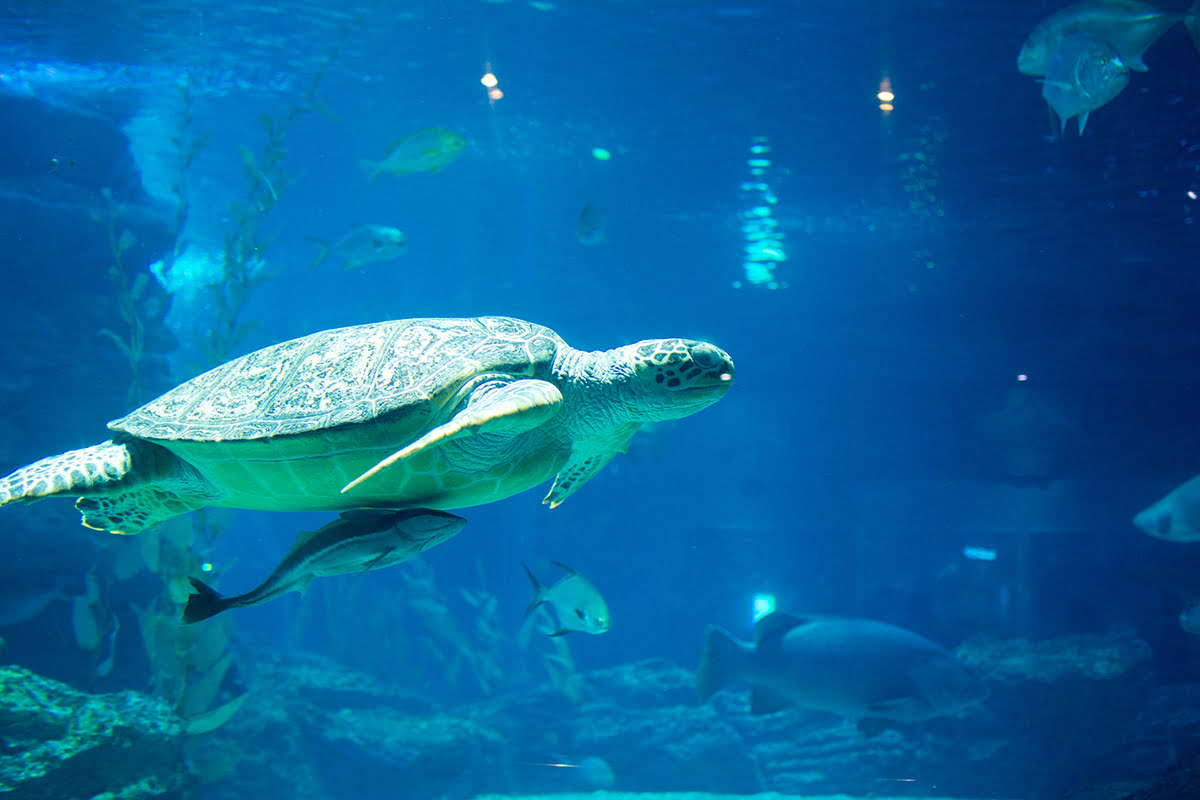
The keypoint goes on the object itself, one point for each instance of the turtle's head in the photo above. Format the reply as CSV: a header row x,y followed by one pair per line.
x,y
677,377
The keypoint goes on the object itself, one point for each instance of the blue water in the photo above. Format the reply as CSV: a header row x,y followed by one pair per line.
x,y
983,335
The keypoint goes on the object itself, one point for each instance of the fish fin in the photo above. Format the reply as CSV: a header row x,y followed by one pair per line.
x,y
205,603
560,632
1136,63
302,585
1191,21
539,594
372,168
325,247
721,663
352,264
302,538
563,566
365,516
1053,116
768,701
1083,118
775,625
392,147
871,727
375,561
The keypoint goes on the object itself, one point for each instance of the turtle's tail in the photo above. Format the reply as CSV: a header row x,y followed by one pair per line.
x,y
74,472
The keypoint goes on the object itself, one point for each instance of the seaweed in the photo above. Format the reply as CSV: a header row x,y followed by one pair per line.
x,y
139,305
246,243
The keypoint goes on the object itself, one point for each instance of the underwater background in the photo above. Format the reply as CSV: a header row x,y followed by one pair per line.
x,y
965,339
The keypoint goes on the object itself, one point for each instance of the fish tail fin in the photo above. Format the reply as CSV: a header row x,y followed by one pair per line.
x,y
205,603
721,664
1083,118
539,594
325,247
1191,21
370,167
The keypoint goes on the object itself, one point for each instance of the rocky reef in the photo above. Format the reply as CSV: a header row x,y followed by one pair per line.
x,y
60,744
1062,714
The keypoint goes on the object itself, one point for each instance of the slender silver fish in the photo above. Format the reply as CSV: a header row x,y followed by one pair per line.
x,y
356,541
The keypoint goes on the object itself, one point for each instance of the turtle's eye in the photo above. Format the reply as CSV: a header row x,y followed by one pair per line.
x,y
706,357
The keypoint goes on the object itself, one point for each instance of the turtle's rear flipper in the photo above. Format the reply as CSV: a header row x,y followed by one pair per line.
x,y
73,472
127,487
135,509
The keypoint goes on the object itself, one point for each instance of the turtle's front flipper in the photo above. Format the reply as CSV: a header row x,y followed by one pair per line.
x,y
588,456
494,407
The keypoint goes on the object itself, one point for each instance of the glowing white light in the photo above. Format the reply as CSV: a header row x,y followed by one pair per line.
x,y
1022,377
763,604
979,553
206,567
1191,194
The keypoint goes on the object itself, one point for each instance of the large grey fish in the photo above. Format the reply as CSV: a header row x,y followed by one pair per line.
x,y
856,667
356,541
577,604
1085,74
1176,517
363,244
1130,26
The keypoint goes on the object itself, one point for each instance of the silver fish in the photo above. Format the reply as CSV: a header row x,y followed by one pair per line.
x,y
357,541
363,244
577,604
1085,74
856,667
426,150
1129,26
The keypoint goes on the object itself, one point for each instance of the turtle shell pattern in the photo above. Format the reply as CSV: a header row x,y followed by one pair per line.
x,y
340,377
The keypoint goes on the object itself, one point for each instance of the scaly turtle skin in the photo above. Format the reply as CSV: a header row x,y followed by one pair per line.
x,y
421,413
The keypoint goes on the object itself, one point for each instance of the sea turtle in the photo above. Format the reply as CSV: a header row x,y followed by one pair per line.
x,y
433,413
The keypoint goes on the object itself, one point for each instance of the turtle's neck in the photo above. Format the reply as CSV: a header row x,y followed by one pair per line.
x,y
604,377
